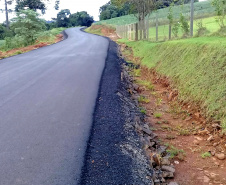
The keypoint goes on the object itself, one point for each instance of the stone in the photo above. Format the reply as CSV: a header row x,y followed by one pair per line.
x,y
196,142
210,138
156,159
165,161
199,138
173,183
146,129
136,87
213,153
206,179
168,168
220,156
176,162
214,176
215,144
168,174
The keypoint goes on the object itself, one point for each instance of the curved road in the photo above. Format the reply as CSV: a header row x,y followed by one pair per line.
x,y
47,98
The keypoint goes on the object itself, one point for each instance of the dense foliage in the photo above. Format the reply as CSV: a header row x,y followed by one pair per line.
x,y
26,27
66,19
109,10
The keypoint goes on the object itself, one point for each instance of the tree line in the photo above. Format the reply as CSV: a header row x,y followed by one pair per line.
x,y
117,8
64,18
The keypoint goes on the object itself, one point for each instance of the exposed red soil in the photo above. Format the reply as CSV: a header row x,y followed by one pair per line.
x,y
106,31
29,48
184,127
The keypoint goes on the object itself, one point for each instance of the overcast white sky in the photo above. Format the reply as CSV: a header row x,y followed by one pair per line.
x,y
91,6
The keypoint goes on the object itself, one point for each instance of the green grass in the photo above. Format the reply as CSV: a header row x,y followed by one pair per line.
x,y
146,84
94,31
205,155
143,99
196,67
175,152
202,9
157,115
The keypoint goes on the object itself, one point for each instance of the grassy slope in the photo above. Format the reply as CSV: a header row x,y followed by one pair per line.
x,y
197,67
202,9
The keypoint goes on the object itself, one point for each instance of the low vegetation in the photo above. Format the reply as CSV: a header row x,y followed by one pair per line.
x,y
195,66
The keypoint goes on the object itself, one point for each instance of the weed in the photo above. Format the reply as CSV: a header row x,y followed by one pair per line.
x,y
175,152
137,72
159,122
143,99
158,101
143,110
157,115
184,132
166,127
146,84
18,52
170,137
206,154
165,121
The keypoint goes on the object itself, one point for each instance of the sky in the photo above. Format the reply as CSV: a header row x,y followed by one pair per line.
x,y
91,6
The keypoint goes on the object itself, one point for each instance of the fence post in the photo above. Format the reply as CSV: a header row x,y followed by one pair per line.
x,y
136,31
156,26
148,28
192,18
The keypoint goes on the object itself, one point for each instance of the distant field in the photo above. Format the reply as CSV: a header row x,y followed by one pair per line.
x,y
202,9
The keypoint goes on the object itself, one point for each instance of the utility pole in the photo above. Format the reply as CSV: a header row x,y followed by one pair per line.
x,y
192,18
7,15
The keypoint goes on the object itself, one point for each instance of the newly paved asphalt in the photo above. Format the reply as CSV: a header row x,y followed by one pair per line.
x,y
47,99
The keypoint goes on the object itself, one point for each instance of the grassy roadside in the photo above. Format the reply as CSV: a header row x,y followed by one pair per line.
x,y
196,67
44,39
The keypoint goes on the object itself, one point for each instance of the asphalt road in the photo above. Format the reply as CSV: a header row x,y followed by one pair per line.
x,y
47,99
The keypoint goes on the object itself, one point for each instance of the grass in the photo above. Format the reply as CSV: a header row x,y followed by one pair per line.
x,y
45,36
143,99
146,84
157,115
205,155
202,9
94,31
195,66
143,110
175,152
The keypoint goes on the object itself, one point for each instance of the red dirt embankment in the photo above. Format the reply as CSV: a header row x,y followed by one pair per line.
x,y
29,48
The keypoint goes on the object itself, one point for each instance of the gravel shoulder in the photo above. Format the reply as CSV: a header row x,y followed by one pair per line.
x,y
114,153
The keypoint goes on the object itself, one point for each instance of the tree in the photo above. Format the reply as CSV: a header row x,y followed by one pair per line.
x,y
27,25
220,9
31,4
34,5
109,10
7,11
81,19
142,9
63,18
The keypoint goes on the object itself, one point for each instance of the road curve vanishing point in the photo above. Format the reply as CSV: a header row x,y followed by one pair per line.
x,y
47,98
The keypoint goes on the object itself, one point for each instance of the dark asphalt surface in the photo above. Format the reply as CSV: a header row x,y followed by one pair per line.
x,y
47,99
